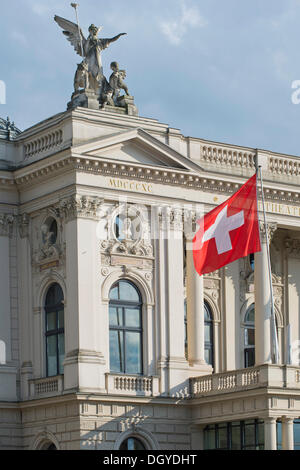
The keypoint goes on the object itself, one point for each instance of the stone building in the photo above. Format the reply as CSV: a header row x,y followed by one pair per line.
x,y
108,337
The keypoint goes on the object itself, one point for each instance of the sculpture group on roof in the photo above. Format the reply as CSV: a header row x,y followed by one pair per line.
x,y
91,88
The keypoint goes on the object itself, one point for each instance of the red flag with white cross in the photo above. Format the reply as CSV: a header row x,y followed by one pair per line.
x,y
228,232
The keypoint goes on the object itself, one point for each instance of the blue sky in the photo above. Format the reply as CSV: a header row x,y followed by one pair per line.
x,y
219,70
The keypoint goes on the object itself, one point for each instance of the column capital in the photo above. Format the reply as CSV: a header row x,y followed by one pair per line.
x,y
6,224
288,419
80,206
271,229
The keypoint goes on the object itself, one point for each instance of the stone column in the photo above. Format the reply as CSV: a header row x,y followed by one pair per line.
x,y
270,434
287,433
177,364
7,371
6,221
25,304
83,358
263,300
195,315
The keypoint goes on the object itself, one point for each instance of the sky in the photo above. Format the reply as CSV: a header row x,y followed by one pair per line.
x,y
219,70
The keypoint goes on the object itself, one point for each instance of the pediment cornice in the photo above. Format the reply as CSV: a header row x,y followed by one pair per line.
x,y
40,172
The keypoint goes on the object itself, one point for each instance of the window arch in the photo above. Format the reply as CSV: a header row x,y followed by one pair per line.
x,y
55,333
249,337
125,328
208,335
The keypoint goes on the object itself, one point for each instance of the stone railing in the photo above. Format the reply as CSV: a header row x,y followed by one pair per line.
x,y
263,376
287,166
47,386
43,144
215,154
238,158
132,385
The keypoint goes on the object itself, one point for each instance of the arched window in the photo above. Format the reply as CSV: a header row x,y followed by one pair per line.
x,y
208,335
49,446
55,333
132,443
125,329
249,337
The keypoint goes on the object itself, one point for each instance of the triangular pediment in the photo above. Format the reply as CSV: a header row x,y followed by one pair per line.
x,y
138,147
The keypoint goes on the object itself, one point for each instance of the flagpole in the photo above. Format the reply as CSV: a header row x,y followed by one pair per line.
x,y
275,351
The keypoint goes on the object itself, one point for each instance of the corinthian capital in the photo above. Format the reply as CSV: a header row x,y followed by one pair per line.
x,y
80,206
6,225
271,229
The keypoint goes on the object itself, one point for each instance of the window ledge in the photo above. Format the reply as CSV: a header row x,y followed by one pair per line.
x,y
45,387
133,385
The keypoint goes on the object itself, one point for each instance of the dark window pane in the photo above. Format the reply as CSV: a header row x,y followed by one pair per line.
x,y
249,337
114,293
133,317
207,313
250,435
54,295
128,292
249,357
236,437
223,444
51,321
115,316
207,333
52,355
61,352
133,352
210,438
260,434
132,444
296,435
116,351
61,319
249,317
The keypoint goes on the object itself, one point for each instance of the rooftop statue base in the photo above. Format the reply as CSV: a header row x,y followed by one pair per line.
x,y
84,99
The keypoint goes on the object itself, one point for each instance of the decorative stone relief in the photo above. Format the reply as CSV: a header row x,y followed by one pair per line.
x,y
271,229
6,225
79,206
126,231
292,247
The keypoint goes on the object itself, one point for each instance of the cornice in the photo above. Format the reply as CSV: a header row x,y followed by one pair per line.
x,y
221,184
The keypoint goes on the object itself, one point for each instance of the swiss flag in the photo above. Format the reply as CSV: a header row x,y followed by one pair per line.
x,y
228,232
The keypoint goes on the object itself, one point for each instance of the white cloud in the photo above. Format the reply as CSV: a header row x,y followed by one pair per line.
x,y
175,30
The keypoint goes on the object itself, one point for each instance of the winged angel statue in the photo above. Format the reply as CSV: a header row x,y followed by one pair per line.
x,y
90,72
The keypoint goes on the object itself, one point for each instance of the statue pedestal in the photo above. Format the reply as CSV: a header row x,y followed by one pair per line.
x,y
127,102
84,99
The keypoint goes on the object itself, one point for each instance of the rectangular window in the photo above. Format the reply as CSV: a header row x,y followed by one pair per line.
x,y
245,435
